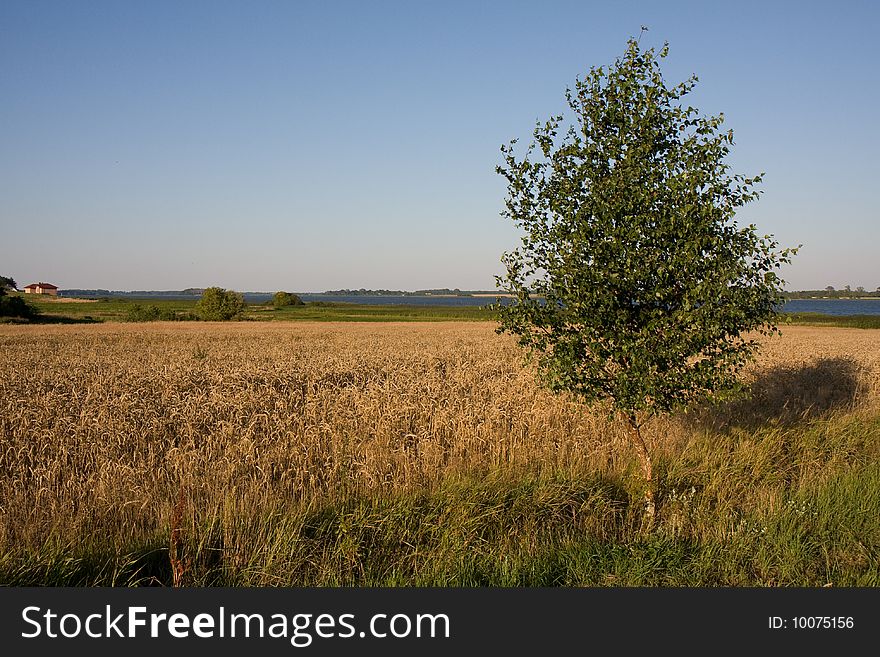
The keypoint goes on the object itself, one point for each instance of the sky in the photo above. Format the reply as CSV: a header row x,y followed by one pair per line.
x,y
309,146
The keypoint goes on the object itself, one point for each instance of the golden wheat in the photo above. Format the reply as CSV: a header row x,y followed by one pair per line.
x,y
102,426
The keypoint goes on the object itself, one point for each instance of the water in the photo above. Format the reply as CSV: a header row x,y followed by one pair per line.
x,y
834,306
399,300
823,306
264,297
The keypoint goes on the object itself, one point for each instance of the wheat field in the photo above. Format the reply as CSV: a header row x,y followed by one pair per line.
x,y
245,429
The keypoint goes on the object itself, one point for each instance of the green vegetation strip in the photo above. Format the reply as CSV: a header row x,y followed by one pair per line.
x,y
119,310
792,507
115,309
844,321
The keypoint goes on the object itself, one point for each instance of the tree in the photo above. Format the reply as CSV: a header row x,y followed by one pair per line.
x,y
7,283
634,286
830,288
282,299
218,304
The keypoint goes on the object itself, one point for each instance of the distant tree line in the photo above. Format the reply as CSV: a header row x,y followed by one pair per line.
x,y
831,293
99,293
440,291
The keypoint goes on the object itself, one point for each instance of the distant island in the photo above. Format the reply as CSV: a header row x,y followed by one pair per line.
x,y
362,292
190,291
195,292
437,292
832,293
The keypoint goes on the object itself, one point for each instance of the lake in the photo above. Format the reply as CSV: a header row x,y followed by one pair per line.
x,y
399,300
834,306
823,306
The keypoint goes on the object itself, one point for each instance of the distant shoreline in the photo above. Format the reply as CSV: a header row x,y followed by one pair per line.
x,y
832,298
195,293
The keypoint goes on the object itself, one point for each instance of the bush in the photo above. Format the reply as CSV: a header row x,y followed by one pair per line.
x,y
15,306
218,304
282,299
138,313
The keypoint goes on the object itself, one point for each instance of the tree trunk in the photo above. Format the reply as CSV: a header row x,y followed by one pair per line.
x,y
635,436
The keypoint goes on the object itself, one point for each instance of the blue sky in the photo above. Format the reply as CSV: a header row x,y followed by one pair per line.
x,y
318,145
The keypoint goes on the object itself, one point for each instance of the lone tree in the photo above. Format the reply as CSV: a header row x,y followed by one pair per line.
x,y
218,304
634,285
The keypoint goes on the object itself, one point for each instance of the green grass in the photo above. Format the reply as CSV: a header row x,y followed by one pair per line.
x,y
843,321
350,312
773,507
116,309
102,310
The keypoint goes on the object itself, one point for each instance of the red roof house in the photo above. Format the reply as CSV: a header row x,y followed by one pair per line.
x,y
41,288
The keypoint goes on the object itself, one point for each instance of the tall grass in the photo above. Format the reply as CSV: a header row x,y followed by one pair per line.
x,y
846,321
416,454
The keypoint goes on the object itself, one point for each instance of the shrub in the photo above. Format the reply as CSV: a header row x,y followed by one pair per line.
x,y
282,299
15,306
138,313
152,313
218,304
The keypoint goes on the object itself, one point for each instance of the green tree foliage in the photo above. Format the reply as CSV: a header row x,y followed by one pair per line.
x,y
634,285
218,304
153,313
13,305
16,306
138,313
282,299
